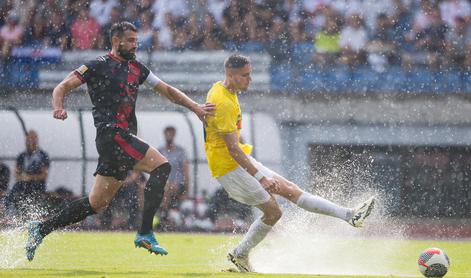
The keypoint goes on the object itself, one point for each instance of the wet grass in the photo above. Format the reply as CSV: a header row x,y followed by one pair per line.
x,y
86,254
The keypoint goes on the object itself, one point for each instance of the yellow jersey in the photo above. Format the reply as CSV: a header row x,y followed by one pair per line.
x,y
227,119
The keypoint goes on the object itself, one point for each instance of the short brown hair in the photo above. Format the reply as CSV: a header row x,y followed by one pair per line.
x,y
236,61
119,28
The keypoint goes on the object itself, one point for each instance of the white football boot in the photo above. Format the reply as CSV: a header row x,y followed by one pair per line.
x,y
241,262
361,212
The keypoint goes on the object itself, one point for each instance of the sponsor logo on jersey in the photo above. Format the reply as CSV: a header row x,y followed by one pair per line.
x,y
82,69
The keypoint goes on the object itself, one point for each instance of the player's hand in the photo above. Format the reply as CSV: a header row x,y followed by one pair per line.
x,y
59,114
205,110
270,185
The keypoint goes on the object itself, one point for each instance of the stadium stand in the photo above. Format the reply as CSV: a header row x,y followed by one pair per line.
x,y
423,44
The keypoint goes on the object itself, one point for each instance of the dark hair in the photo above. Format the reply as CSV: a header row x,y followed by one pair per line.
x,y
119,28
170,128
236,61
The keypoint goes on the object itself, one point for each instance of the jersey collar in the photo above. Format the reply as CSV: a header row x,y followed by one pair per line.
x,y
116,58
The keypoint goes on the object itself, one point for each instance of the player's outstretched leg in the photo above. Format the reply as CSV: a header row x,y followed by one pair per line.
x,y
74,212
361,212
34,239
316,204
153,194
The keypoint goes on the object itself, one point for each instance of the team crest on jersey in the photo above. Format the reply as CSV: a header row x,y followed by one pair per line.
x,y
82,69
134,69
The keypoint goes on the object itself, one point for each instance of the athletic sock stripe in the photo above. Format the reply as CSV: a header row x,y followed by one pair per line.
x,y
128,148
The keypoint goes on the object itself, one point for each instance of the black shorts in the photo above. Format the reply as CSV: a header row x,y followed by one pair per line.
x,y
118,152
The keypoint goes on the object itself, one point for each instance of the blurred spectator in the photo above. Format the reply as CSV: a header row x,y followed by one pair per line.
x,y
279,42
452,9
56,33
132,13
35,33
199,9
5,7
47,9
227,214
432,39
142,5
422,17
101,10
327,43
85,31
147,35
255,36
24,10
353,40
123,211
176,189
180,36
262,15
168,12
292,9
165,32
11,34
105,39
212,36
216,8
369,10
194,214
381,48
400,22
456,41
232,26
32,168
4,180
195,35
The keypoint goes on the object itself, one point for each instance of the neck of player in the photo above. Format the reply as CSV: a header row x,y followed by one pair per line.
x,y
226,84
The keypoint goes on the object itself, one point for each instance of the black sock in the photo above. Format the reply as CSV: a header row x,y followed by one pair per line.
x,y
74,212
153,194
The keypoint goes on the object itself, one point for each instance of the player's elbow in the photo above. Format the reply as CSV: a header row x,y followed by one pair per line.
x,y
234,152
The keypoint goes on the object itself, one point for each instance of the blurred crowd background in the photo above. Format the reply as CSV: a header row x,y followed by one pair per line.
x,y
313,44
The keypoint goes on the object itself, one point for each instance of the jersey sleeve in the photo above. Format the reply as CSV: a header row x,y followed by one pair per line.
x,y
144,73
225,120
88,70
151,81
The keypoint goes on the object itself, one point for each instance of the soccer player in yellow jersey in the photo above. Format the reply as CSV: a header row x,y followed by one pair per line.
x,y
247,180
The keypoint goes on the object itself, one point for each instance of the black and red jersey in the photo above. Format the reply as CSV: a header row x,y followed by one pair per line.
x,y
112,85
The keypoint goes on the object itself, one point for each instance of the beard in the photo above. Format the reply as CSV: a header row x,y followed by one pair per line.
x,y
126,54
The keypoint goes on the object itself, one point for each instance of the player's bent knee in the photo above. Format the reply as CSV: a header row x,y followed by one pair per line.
x,y
273,215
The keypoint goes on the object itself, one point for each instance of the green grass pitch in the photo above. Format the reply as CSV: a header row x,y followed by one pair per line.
x,y
87,254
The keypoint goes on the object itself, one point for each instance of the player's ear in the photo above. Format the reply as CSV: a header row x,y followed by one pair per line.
x,y
115,40
228,72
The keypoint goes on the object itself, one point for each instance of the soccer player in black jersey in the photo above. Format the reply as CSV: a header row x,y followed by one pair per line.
x,y
113,82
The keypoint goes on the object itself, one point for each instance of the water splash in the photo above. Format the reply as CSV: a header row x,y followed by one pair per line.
x,y
307,243
12,243
13,235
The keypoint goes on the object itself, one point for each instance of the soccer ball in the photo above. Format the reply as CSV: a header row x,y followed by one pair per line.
x,y
433,262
